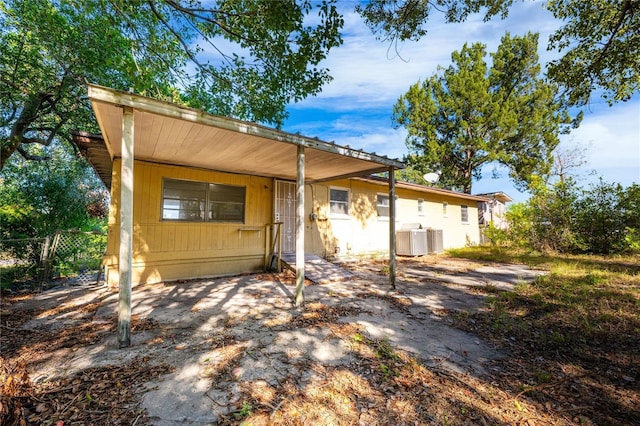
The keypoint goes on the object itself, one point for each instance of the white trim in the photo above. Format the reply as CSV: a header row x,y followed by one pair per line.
x,y
340,215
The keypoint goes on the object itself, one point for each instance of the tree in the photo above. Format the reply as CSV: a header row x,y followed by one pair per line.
x,y
243,58
607,217
469,115
38,198
599,39
567,159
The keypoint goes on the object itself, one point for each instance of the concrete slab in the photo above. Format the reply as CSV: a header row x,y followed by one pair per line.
x,y
317,269
223,334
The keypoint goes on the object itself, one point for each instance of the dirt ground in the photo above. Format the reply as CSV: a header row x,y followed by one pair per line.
x,y
222,350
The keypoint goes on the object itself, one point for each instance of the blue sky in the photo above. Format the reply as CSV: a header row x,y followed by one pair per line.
x,y
355,108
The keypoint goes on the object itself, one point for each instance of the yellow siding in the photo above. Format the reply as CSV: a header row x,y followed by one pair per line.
x,y
363,232
167,250
455,233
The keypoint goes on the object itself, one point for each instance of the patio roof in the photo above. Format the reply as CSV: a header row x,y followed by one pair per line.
x,y
172,134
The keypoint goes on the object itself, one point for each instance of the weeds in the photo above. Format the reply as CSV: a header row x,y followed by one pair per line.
x,y
574,332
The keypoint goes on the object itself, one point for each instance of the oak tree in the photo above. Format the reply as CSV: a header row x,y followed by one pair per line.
x,y
598,40
242,58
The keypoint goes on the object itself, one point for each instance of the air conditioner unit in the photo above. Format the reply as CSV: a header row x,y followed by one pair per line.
x,y
411,242
435,241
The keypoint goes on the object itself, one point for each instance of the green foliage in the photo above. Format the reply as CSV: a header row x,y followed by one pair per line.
x,y
608,217
406,20
552,216
411,175
602,219
245,411
497,236
246,59
601,45
599,39
471,115
36,199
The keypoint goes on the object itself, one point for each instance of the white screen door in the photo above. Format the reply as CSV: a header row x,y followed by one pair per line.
x,y
285,212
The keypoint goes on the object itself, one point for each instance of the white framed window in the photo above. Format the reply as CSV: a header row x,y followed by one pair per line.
x,y
192,201
464,213
420,207
445,209
382,205
339,201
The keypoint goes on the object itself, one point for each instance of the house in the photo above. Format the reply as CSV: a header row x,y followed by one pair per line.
x,y
196,195
350,217
191,222
494,209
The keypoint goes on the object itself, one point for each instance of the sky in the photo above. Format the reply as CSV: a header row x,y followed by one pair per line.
x,y
369,76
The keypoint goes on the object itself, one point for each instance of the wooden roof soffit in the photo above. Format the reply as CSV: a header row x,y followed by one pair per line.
x,y
154,106
93,148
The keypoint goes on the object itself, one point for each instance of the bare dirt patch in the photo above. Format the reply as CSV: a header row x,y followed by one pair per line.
x,y
230,350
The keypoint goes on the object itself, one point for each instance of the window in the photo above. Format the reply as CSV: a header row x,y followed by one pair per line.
x,y
420,207
339,201
383,205
464,213
202,202
445,208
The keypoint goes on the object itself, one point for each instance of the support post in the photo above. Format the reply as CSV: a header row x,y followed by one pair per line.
x,y
126,230
300,228
392,228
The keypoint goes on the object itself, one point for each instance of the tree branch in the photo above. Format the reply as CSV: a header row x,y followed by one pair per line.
x,y
184,44
191,12
28,156
626,8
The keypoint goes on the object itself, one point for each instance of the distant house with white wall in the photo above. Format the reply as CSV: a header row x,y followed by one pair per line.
x,y
493,210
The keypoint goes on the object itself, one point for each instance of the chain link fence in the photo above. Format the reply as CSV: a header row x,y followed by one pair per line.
x,y
66,258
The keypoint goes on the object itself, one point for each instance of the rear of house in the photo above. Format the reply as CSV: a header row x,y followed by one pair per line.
x,y
350,217
191,222
196,195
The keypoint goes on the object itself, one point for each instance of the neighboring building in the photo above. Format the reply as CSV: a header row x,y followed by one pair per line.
x,y
210,196
494,209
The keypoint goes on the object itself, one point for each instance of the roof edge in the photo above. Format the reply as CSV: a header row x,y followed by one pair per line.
x,y
98,93
423,188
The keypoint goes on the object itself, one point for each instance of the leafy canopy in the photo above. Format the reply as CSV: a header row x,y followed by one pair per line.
x,y
38,198
242,58
470,115
599,39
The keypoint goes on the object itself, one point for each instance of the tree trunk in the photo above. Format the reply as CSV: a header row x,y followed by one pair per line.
x,y
27,116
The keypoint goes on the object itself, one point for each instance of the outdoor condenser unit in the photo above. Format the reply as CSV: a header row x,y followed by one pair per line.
x,y
435,241
411,242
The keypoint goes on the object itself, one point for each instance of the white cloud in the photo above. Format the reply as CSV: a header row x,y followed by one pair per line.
x,y
612,135
372,73
355,108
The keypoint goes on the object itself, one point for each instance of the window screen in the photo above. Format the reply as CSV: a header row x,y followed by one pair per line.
x,y
464,213
383,205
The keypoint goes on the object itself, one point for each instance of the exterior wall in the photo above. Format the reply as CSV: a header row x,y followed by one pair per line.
x,y
455,233
168,250
493,211
363,232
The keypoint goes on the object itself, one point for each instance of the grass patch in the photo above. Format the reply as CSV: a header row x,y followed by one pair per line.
x,y
573,333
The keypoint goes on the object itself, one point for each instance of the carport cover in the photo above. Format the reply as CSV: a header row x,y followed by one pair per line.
x,y
172,134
